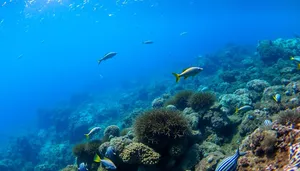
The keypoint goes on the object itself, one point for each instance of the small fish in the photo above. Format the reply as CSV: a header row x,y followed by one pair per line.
x,y
295,58
243,109
20,56
183,33
277,98
267,123
82,167
204,89
108,164
110,152
230,163
191,71
148,42
107,56
91,131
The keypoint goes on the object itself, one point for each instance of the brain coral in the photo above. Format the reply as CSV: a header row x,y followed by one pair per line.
x,y
138,153
160,127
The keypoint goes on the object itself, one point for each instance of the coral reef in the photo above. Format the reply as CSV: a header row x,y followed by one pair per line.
x,y
201,100
180,100
138,153
158,127
194,129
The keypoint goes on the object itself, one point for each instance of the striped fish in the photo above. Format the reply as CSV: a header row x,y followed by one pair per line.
x,y
267,122
230,163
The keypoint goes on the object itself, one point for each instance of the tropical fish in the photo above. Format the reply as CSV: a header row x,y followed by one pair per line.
x,y
82,167
295,58
110,152
243,109
267,123
148,42
191,71
91,131
230,163
277,98
107,56
107,163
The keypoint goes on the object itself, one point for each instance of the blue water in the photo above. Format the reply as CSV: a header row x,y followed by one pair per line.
x,y
60,45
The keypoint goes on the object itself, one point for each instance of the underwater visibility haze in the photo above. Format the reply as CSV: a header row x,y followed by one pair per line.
x,y
54,89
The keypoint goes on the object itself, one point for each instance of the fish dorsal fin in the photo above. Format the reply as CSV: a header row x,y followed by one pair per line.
x,y
105,158
185,69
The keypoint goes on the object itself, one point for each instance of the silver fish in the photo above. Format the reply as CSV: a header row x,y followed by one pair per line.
x,y
243,108
107,56
188,72
267,122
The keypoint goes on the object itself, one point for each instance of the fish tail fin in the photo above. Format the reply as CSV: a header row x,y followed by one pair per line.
x,y
274,98
292,58
99,61
299,66
87,136
236,110
97,159
177,77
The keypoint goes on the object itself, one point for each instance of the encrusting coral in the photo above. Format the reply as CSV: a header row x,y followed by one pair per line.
x,y
138,153
180,100
158,127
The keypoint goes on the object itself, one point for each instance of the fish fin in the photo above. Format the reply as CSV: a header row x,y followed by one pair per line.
x,y
99,61
185,69
274,98
236,110
292,58
177,77
107,159
97,159
87,136
299,66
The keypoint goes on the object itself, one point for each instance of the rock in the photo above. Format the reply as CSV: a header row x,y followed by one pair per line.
x,y
210,162
257,85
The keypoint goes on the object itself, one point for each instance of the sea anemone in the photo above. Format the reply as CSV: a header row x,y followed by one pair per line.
x,y
158,127
287,117
201,100
180,100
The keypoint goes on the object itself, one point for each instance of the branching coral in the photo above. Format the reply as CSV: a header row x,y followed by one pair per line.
x,y
201,100
288,117
138,153
180,100
160,127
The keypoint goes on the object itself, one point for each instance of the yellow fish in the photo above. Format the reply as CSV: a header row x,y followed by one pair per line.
x,y
191,71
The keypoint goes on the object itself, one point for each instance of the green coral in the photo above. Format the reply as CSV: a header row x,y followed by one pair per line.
x,y
159,127
180,100
138,153
85,152
201,100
